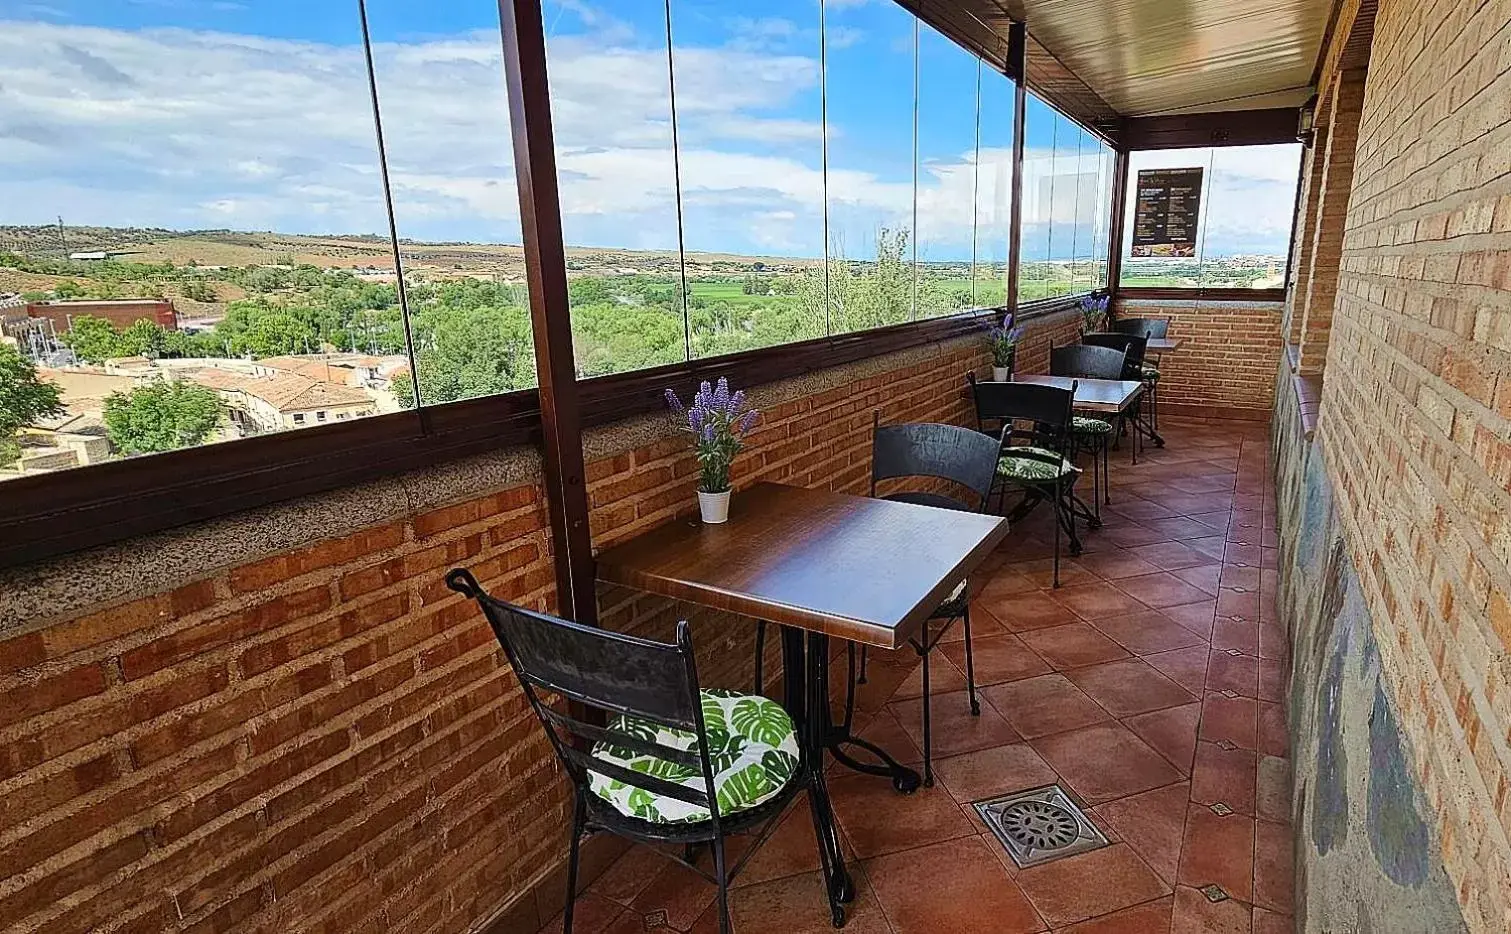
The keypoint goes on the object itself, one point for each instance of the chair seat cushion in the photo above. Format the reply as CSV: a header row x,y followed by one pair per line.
x,y
1151,373
1084,425
1014,466
751,743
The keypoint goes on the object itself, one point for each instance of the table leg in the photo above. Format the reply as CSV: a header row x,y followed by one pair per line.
x,y
803,678
838,736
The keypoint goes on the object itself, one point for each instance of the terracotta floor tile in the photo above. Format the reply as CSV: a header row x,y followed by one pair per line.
x,y
1096,600
1196,617
1172,556
1179,528
956,886
1203,578
1235,555
1132,534
1138,509
1172,733
792,849
1043,705
1268,922
1154,824
1273,642
1274,737
954,728
885,671
990,772
1193,914
983,624
1105,761
1225,775
628,875
1129,687
1274,679
1090,884
1242,635
1147,633
1041,572
678,892
997,658
796,905
1210,547
590,915
879,820
1274,868
1115,563
1236,673
1218,851
1233,719
1148,918
1234,603
1031,610
1073,645
943,675
1272,794
1186,667
1004,582
1240,574
884,730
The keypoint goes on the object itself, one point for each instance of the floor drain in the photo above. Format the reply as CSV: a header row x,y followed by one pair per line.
x,y
1039,825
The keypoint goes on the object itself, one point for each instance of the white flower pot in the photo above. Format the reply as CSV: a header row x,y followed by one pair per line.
x,y
714,507
1001,374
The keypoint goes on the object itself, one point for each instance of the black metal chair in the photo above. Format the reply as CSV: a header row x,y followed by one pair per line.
x,y
939,452
1090,434
1039,466
1150,329
673,763
1134,347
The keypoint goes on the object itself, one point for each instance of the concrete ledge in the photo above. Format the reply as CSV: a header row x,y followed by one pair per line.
x,y
1213,413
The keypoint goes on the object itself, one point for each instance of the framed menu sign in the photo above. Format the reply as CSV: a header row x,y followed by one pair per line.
x,y
1164,220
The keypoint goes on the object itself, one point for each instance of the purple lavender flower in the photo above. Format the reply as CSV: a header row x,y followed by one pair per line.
x,y
747,421
695,420
718,420
674,403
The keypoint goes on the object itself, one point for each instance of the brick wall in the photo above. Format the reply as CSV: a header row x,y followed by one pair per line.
x,y
1228,359
1312,165
1416,413
324,738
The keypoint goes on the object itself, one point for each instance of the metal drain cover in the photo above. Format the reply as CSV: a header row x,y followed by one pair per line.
x,y
1039,825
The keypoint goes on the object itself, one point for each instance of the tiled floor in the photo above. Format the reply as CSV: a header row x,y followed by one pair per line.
x,y
1150,686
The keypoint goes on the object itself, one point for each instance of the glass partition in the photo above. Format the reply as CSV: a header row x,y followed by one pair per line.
x,y
948,95
994,188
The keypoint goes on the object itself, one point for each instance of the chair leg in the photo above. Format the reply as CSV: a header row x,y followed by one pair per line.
x,y
574,851
1096,481
725,925
928,745
1106,473
862,678
760,672
1056,509
970,665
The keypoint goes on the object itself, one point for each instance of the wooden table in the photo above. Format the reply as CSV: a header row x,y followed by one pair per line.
x,y
821,564
1159,345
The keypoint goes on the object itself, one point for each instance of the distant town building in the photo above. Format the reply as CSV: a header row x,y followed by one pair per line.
x,y
122,313
90,256
282,401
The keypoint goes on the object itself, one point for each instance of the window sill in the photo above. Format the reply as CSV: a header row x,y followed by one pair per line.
x,y
1204,295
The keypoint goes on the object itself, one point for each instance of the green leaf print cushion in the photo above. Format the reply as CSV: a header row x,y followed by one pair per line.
x,y
751,743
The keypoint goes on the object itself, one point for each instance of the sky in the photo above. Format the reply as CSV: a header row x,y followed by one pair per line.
x,y
256,115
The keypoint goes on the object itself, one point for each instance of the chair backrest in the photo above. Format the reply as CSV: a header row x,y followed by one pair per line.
x,y
1087,361
946,452
1143,327
1132,345
1047,409
650,683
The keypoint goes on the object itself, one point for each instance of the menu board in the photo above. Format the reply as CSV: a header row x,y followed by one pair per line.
x,y
1164,221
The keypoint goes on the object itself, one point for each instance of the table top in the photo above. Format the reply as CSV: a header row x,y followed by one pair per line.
x,y
1093,395
868,570
1163,344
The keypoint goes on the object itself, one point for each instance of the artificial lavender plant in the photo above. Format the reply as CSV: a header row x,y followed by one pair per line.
x,y
718,422
1093,313
1003,341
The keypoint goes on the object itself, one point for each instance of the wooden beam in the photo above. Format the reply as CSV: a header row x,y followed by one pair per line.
x,y
524,42
1228,128
1017,47
1115,231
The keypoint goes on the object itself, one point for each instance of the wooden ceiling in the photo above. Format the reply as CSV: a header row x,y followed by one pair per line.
x,y
1101,59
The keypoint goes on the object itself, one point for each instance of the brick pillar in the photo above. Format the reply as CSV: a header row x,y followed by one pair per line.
x,y
1306,229
1331,216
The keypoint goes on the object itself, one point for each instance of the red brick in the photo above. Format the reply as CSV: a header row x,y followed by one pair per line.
x,y
50,693
214,633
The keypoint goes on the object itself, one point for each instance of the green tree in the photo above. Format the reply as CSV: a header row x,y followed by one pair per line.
x,y
145,338
67,288
467,352
161,416
199,290
92,339
588,290
24,398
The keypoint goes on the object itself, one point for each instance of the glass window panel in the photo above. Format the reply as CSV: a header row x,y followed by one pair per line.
x,y
1039,121
222,218
947,101
1244,228
749,103
994,188
871,85
1064,187
445,112
611,112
